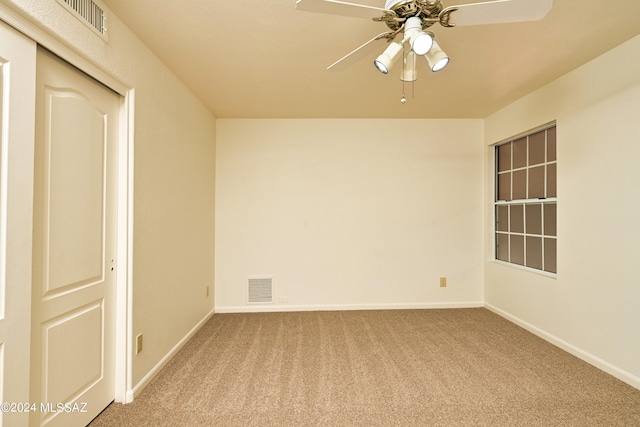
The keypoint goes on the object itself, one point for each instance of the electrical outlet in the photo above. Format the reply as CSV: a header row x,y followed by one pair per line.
x,y
207,292
138,343
443,282
283,300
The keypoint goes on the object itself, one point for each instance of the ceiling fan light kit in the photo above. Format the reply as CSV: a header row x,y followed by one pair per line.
x,y
436,58
386,59
413,17
420,41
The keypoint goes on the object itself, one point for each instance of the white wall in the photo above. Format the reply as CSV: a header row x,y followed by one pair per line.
x,y
592,308
349,213
174,150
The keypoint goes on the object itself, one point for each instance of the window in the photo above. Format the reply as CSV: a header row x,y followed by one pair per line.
x,y
525,200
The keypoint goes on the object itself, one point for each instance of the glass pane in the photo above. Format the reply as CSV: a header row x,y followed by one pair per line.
x,y
534,219
534,252
550,219
519,185
504,186
502,218
551,144
520,153
517,249
504,157
517,219
536,182
536,148
550,262
551,180
502,250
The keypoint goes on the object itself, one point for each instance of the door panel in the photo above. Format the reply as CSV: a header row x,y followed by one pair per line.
x,y
74,245
73,358
74,223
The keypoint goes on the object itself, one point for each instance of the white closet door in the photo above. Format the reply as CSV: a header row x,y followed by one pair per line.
x,y
74,251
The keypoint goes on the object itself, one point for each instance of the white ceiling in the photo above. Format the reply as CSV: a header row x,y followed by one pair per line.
x,y
265,59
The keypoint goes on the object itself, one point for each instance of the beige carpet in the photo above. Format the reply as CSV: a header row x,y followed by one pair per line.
x,y
462,367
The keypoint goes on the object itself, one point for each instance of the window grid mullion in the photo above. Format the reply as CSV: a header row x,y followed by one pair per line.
x,y
510,189
546,160
524,218
542,210
526,177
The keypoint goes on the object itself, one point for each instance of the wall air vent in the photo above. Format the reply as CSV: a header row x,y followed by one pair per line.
x,y
260,290
92,13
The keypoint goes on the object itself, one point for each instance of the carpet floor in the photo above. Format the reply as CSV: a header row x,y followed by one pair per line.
x,y
453,367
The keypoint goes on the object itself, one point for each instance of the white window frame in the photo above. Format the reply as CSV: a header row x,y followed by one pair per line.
x,y
524,202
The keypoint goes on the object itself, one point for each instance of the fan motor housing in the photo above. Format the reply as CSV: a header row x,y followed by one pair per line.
x,y
426,10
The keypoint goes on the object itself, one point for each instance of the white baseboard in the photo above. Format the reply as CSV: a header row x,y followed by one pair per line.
x,y
156,369
603,365
273,308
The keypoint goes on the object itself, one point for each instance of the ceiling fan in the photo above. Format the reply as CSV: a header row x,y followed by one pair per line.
x,y
412,19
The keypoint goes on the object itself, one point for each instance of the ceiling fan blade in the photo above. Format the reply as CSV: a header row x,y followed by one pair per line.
x,y
358,53
496,12
335,7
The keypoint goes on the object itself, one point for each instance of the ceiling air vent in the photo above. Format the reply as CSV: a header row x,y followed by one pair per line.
x,y
260,290
91,12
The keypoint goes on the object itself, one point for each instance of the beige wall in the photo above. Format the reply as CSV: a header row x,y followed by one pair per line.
x,y
592,307
174,151
349,213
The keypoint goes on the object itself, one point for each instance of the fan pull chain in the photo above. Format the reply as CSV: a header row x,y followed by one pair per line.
x,y
404,76
404,55
413,92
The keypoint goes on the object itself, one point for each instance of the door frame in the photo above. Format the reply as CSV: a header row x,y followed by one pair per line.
x,y
124,292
